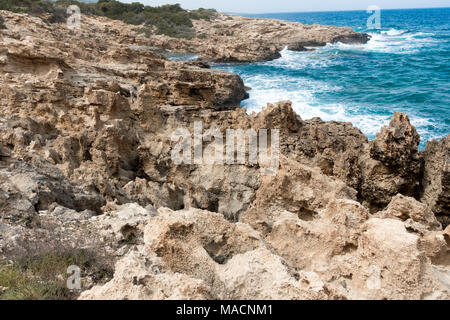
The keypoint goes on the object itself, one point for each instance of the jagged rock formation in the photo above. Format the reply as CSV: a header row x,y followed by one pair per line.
x,y
86,122
342,253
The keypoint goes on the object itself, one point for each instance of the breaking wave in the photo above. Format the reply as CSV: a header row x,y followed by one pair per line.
x,y
401,68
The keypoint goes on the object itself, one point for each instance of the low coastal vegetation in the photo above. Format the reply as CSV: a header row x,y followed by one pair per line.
x,y
51,12
170,20
43,275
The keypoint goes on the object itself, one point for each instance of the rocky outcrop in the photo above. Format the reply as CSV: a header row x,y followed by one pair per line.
x,y
415,213
87,120
396,144
391,163
378,170
436,179
230,265
241,51
297,189
334,147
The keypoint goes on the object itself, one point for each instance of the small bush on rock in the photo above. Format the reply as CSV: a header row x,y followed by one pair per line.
x,y
2,23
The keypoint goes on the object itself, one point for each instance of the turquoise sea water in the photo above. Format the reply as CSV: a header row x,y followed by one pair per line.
x,y
404,67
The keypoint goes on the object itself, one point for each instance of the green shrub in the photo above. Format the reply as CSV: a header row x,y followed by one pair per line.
x,y
170,20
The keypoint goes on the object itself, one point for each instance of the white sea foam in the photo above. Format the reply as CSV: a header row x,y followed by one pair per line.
x,y
389,41
299,60
305,105
394,32
302,91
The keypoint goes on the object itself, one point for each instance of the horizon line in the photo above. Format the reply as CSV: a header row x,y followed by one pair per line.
x,y
317,11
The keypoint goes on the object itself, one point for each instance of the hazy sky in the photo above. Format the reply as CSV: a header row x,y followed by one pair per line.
x,y
263,6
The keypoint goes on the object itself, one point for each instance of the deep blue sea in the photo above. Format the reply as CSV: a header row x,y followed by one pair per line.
x,y
404,67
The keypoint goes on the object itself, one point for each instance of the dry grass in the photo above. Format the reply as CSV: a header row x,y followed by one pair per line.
x,y
42,275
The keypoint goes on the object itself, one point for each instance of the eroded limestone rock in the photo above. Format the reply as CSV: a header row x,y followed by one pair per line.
x,y
85,161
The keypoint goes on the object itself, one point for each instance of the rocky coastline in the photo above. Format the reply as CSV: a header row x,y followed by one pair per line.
x,y
228,39
86,120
